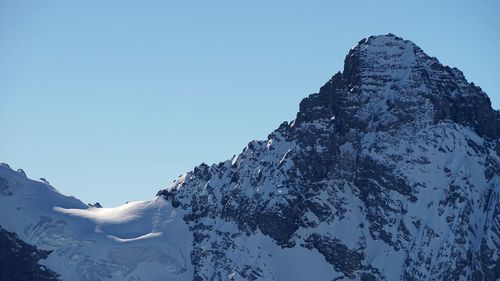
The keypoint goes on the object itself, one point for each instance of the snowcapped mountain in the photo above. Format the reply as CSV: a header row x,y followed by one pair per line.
x,y
390,172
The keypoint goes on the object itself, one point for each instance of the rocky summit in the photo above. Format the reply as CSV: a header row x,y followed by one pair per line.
x,y
390,172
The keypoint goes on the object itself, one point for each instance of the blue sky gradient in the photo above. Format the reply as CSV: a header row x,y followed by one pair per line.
x,y
111,100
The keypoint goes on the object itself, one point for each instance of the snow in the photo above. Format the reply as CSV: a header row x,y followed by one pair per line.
x,y
143,239
121,214
307,264
440,194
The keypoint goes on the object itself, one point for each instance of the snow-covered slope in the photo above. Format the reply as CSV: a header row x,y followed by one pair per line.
x,y
145,240
390,172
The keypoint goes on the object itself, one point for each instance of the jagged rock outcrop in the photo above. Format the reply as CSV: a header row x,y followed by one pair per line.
x,y
19,261
389,172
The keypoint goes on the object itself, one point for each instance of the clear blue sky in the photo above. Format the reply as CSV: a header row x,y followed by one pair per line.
x,y
111,100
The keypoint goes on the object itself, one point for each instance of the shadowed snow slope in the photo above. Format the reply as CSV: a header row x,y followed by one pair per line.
x,y
390,172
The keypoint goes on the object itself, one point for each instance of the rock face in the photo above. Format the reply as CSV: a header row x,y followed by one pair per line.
x,y
390,172
19,261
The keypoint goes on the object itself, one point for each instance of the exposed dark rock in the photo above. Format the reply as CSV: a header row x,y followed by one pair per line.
x,y
4,187
95,205
384,151
342,258
19,261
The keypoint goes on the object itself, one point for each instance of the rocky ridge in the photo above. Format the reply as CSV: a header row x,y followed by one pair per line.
x,y
390,172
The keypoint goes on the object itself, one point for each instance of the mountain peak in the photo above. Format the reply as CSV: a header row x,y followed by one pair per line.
x,y
387,56
389,83
389,41
390,151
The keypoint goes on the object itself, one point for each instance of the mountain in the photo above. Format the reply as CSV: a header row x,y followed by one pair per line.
x,y
390,172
